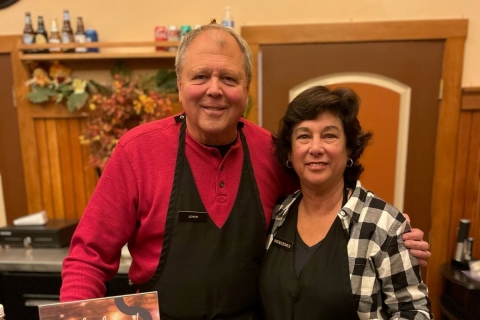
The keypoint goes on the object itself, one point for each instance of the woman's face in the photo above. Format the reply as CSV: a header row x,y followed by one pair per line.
x,y
319,153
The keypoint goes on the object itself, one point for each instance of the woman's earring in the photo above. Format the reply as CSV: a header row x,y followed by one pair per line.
x,y
289,164
349,162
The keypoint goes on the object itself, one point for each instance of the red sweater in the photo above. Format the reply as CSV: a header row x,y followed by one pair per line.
x,y
131,199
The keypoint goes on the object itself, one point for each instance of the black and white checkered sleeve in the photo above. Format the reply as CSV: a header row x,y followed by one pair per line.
x,y
404,292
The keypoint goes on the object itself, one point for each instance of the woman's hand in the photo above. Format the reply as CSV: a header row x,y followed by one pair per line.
x,y
413,240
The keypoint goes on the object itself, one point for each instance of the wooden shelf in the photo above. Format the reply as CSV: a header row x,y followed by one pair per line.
x,y
95,55
114,50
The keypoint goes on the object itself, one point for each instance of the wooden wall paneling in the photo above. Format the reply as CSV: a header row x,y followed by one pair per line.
x,y
78,171
471,98
471,188
44,168
66,169
472,201
55,169
460,185
46,149
454,33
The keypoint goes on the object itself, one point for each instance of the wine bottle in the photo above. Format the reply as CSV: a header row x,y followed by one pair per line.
x,y
67,31
41,36
80,36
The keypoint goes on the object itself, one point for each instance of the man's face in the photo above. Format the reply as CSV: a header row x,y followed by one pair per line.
x,y
213,87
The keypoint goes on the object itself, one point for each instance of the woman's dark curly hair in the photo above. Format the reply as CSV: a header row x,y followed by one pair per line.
x,y
308,105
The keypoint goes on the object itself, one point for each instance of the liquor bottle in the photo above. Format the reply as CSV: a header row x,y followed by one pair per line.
x,y
227,19
80,36
41,36
28,32
54,35
67,31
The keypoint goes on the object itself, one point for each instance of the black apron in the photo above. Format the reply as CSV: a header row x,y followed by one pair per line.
x,y
321,291
205,272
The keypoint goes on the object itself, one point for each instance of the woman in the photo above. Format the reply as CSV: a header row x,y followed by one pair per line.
x,y
335,249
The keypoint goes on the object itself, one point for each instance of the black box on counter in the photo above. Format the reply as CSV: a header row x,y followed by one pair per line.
x,y
54,234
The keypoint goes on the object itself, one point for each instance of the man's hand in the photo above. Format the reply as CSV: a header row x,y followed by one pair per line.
x,y
414,242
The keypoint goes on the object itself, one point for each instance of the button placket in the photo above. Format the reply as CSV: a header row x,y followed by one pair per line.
x,y
221,183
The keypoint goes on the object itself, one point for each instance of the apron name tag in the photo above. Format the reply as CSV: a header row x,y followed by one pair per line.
x,y
282,243
192,216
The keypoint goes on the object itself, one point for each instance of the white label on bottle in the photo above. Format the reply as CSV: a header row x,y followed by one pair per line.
x,y
66,38
228,23
40,39
54,41
28,38
80,38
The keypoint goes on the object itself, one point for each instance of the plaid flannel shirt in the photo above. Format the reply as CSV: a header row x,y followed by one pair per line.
x,y
385,278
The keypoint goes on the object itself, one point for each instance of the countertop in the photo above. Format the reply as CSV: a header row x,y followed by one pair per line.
x,y
41,260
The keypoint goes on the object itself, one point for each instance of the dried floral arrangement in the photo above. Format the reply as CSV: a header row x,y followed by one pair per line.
x,y
110,110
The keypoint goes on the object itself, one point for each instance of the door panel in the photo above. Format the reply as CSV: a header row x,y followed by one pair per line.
x,y
379,114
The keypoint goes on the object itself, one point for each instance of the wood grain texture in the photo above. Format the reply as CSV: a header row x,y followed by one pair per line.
x,y
66,172
443,179
55,169
472,194
355,31
466,193
471,98
30,156
461,177
46,194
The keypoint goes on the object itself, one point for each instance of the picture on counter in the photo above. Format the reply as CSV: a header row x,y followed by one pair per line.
x,y
141,306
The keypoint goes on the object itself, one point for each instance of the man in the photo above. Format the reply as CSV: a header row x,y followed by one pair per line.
x,y
192,195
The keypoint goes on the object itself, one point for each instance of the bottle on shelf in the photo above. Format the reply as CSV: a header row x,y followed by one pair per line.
x,y
80,36
173,35
67,31
41,36
28,32
227,20
54,35
161,34
184,29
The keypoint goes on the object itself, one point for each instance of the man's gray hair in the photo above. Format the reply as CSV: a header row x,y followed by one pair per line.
x,y
189,37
